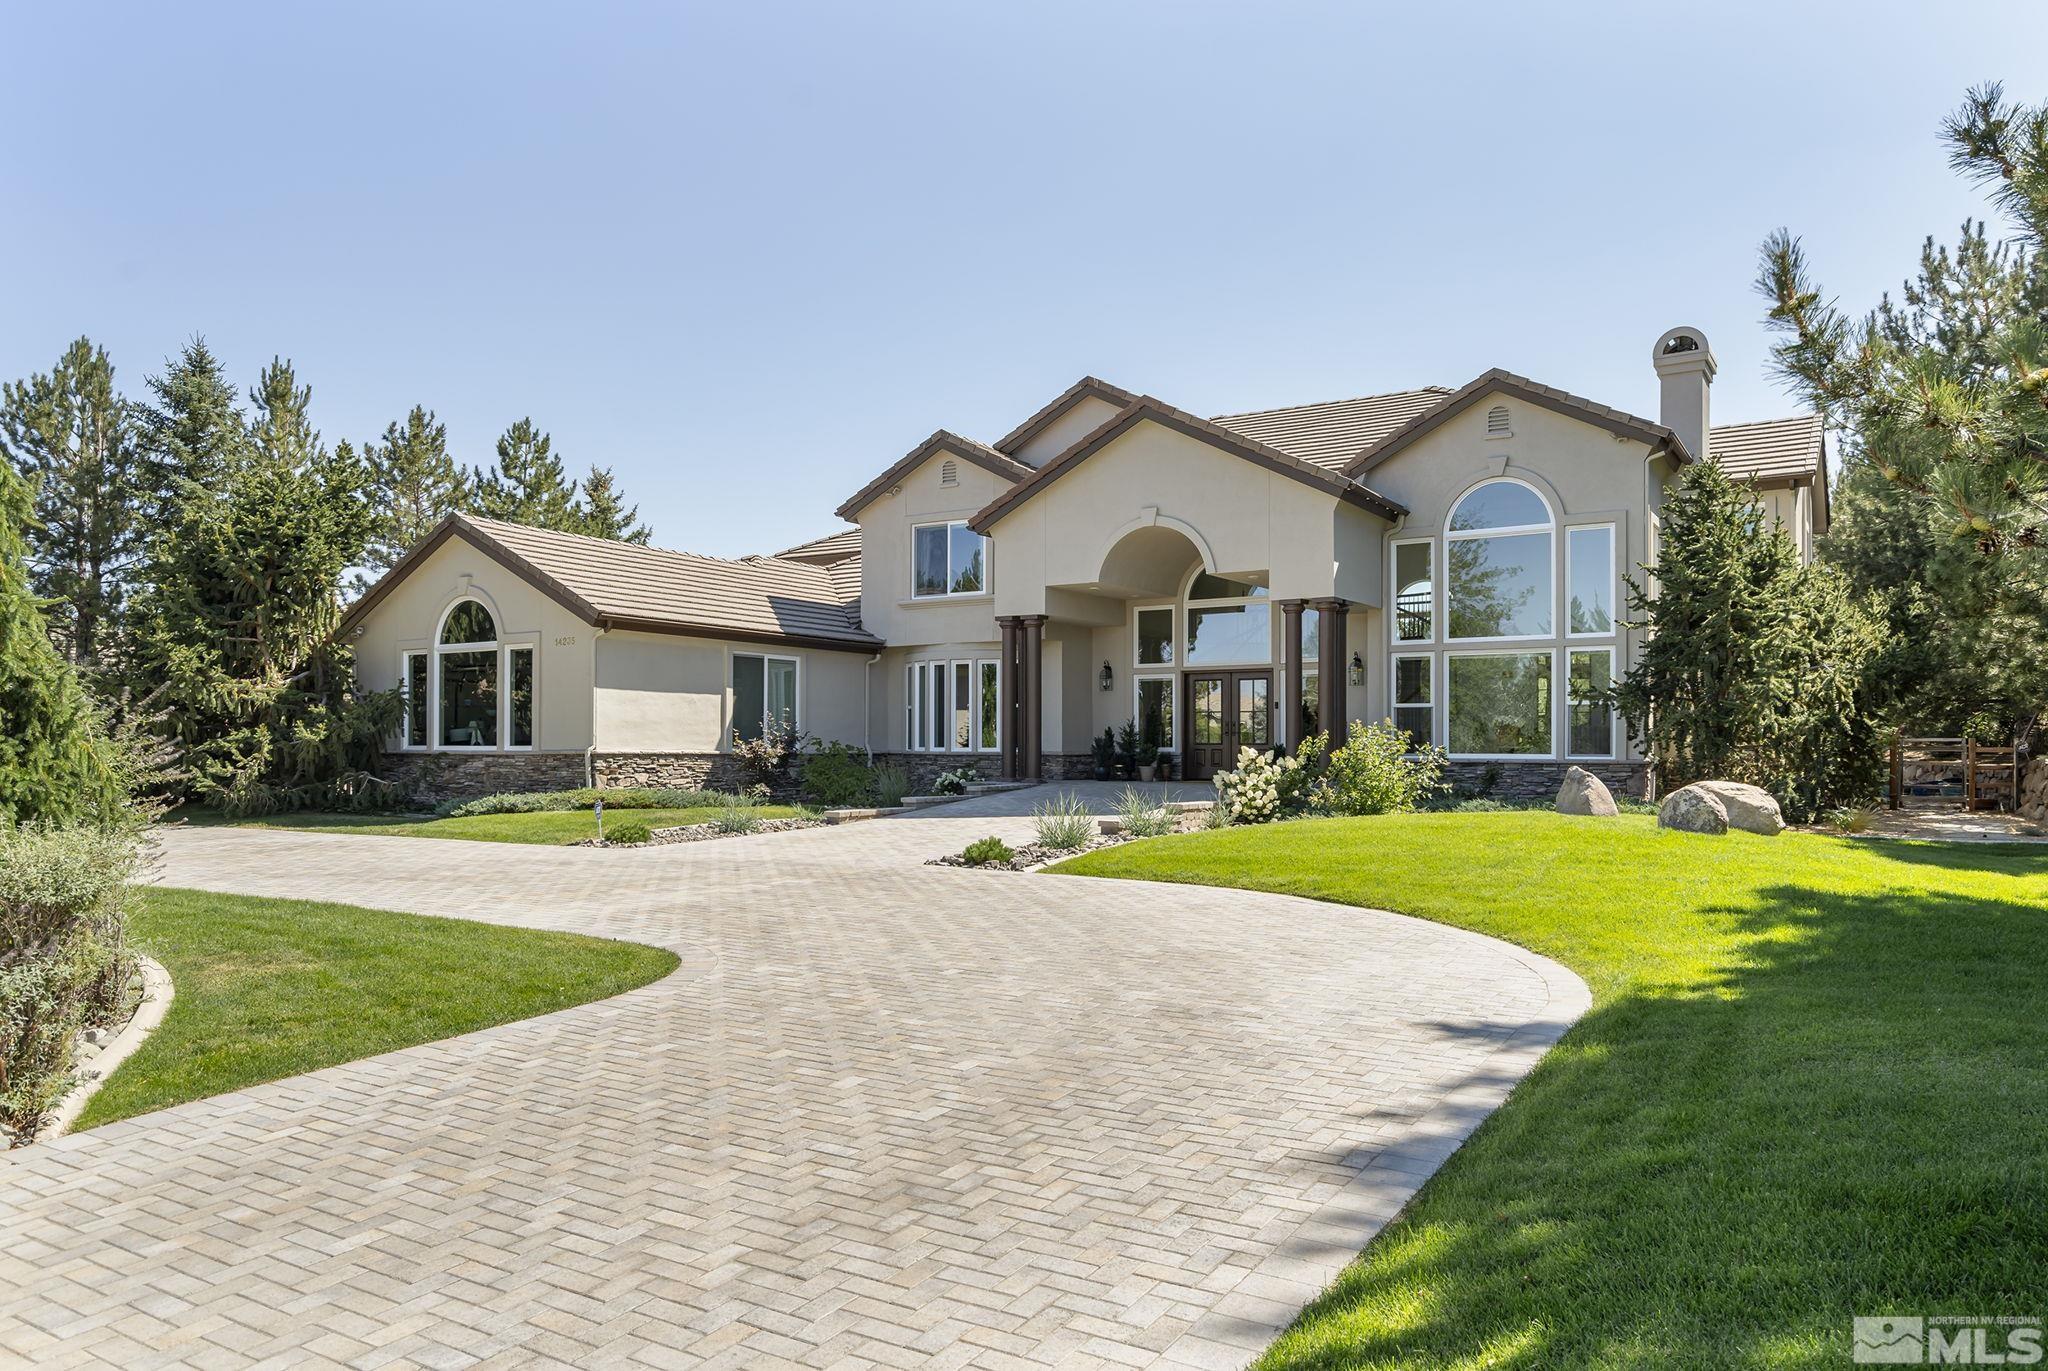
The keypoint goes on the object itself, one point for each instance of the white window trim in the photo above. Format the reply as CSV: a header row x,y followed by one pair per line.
x,y
917,728
1436,695
1184,626
1173,644
1613,588
987,562
1516,530
979,720
732,717
505,697
1172,680
1613,752
1436,592
405,743
441,650
1555,741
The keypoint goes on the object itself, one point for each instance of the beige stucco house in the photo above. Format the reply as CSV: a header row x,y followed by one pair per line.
x,y
1449,559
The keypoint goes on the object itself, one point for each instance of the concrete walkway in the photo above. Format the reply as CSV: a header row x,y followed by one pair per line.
x,y
884,1115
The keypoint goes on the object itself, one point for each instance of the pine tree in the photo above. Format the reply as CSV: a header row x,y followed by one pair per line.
x,y
240,619
1755,668
1944,394
192,435
528,485
75,438
603,512
55,766
414,485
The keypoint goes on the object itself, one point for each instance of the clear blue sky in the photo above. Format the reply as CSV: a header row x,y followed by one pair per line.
x,y
748,254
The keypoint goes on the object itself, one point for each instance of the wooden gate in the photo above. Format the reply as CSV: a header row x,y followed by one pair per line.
x,y
1952,773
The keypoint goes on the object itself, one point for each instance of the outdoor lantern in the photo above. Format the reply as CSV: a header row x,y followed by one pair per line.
x,y
1357,669
1108,676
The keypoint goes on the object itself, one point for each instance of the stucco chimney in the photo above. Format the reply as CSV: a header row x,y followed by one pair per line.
x,y
1685,377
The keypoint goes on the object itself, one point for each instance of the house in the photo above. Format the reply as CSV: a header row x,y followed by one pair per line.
x,y
1449,559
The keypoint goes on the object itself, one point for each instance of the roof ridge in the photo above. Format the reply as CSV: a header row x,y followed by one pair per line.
x,y
1348,400
1758,423
623,545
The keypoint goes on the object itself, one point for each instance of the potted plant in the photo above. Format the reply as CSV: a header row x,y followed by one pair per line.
x,y
1148,762
1104,753
1127,749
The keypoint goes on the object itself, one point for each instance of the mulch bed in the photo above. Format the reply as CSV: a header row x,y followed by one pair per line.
x,y
704,833
1032,855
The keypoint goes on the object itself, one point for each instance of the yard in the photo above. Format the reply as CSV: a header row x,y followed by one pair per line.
x,y
270,988
1814,1084
556,827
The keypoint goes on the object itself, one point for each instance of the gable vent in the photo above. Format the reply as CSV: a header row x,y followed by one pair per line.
x,y
1497,422
949,472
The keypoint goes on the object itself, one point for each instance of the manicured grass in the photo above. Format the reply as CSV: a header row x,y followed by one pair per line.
x,y
1814,1084
270,988
552,826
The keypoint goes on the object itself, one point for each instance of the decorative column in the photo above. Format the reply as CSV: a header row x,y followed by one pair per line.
x,y
1034,695
1333,666
1007,680
1290,674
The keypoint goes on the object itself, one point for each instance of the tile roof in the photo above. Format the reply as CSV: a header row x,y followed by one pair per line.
x,y
1088,387
825,551
1772,450
981,454
1499,381
1333,432
622,585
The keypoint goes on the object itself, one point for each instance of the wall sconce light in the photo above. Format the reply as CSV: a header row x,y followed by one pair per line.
x,y
1108,677
1357,669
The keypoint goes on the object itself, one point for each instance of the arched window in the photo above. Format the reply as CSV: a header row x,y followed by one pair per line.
x,y
1499,561
1229,622
466,677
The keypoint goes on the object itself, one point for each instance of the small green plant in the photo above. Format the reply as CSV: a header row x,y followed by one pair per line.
x,y
739,818
1851,819
1217,815
1103,753
1127,748
892,783
555,801
1063,822
1144,817
838,777
989,851
1375,772
629,833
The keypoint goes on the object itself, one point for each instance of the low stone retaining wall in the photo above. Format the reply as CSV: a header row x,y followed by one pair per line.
x,y
431,777
1527,782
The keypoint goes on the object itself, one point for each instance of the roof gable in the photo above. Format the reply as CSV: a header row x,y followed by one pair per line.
x,y
980,454
623,585
1147,409
1499,382
1087,388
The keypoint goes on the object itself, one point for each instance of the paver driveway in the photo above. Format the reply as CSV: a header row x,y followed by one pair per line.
x,y
885,1114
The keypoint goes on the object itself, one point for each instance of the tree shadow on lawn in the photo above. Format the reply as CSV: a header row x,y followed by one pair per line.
x,y
1847,1116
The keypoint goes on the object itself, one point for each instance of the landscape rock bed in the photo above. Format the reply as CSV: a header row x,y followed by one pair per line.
x,y
701,833
1033,855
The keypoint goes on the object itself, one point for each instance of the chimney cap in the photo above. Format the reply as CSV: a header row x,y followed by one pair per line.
x,y
1684,349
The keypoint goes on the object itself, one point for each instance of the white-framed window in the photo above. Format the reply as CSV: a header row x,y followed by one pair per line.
x,y
413,669
1414,691
952,706
468,671
1500,580
519,694
1229,623
1500,704
1414,581
1152,707
946,560
1311,672
764,694
1152,636
1589,720
1589,581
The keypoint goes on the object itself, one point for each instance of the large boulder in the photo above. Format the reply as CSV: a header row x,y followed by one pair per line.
x,y
1692,810
1748,808
1583,793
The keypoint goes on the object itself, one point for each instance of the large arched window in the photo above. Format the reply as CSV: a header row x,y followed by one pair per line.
x,y
466,673
1497,553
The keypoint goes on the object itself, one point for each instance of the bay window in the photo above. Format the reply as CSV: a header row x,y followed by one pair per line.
x,y
764,695
1498,704
947,559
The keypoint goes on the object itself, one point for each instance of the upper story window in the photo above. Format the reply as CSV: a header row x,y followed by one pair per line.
x,y
1229,622
947,559
1498,557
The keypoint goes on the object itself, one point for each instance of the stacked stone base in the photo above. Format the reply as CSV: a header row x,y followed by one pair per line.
x,y
1537,782
431,777
2033,797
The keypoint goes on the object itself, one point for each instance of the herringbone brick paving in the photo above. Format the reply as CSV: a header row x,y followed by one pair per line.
x,y
885,1115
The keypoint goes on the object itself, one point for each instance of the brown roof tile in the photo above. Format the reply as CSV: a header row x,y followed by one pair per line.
x,y
1499,381
1771,450
1088,387
981,454
1333,432
825,551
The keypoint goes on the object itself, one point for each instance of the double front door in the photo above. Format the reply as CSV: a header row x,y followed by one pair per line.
x,y
1226,710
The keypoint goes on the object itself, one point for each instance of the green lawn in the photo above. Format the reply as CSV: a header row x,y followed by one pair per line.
x,y
270,988
1813,1084
551,826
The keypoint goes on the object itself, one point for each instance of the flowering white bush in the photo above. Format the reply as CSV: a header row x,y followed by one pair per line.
x,y
1252,792
955,782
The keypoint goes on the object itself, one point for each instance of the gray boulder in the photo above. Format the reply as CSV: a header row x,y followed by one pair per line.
x,y
1692,810
1583,793
1748,808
